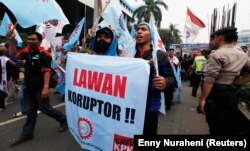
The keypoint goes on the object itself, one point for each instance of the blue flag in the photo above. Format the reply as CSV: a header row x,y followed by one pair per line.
x,y
61,74
132,32
6,26
113,18
33,12
74,37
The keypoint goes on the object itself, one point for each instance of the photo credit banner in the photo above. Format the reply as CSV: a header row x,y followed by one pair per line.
x,y
105,100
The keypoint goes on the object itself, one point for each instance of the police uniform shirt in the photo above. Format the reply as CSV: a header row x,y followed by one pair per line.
x,y
225,64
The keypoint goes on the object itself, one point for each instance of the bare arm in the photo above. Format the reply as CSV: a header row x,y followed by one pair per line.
x,y
243,80
207,87
45,91
12,63
10,36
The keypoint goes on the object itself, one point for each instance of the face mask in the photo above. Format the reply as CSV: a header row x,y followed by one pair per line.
x,y
102,46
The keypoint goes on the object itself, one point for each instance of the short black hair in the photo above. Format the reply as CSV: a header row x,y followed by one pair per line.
x,y
38,35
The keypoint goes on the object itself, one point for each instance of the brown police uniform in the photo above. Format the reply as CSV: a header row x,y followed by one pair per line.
x,y
223,66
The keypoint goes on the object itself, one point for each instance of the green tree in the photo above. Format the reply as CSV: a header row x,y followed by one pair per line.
x,y
171,35
143,13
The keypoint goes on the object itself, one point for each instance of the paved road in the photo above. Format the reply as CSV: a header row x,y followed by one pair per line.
x,y
181,119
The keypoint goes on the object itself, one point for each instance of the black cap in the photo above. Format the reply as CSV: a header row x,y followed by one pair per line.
x,y
205,51
225,30
243,47
106,31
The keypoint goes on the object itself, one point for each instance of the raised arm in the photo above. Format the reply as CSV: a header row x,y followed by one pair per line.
x,y
10,36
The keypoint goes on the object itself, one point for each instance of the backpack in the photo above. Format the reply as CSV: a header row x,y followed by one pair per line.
x,y
53,79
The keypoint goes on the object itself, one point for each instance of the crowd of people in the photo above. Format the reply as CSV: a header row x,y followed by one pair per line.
x,y
216,68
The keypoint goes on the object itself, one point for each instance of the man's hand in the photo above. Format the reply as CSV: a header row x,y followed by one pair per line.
x,y
10,36
45,93
160,83
200,107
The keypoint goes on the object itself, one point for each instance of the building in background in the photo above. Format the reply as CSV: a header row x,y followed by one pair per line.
x,y
244,38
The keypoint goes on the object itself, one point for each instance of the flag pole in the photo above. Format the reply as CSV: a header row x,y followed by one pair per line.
x,y
14,26
99,17
85,18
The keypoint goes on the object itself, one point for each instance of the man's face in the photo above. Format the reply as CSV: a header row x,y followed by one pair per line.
x,y
171,53
211,43
104,37
215,42
142,34
33,42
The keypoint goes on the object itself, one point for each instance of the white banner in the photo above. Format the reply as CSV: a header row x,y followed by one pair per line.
x,y
105,100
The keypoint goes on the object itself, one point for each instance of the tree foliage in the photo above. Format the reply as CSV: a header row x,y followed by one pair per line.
x,y
143,13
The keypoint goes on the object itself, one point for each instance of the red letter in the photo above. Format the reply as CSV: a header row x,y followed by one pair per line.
x,y
75,78
82,80
107,84
120,86
94,81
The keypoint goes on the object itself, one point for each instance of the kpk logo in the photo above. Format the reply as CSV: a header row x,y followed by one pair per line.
x,y
85,128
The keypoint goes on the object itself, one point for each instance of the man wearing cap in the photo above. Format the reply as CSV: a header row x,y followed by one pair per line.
x,y
164,81
219,98
105,42
244,48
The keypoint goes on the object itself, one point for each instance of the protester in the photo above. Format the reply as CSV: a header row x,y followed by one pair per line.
x,y
3,80
244,48
219,96
12,74
105,42
164,81
175,64
37,75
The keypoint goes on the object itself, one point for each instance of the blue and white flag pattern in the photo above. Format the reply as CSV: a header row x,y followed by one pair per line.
x,y
8,25
75,35
132,32
113,18
157,46
61,74
33,12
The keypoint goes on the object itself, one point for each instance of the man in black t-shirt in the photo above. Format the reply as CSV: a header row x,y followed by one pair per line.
x,y
36,80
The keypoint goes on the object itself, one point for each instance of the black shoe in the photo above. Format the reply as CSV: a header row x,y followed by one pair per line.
x,y
19,140
194,95
63,127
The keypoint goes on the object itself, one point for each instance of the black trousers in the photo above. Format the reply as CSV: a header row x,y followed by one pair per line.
x,y
169,95
221,107
34,103
3,95
151,123
197,80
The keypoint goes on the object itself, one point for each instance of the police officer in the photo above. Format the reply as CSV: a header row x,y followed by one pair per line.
x,y
219,98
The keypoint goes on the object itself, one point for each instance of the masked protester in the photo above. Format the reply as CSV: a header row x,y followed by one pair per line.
x,y
105,42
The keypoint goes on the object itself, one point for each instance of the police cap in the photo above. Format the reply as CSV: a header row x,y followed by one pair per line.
x,y
225,30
